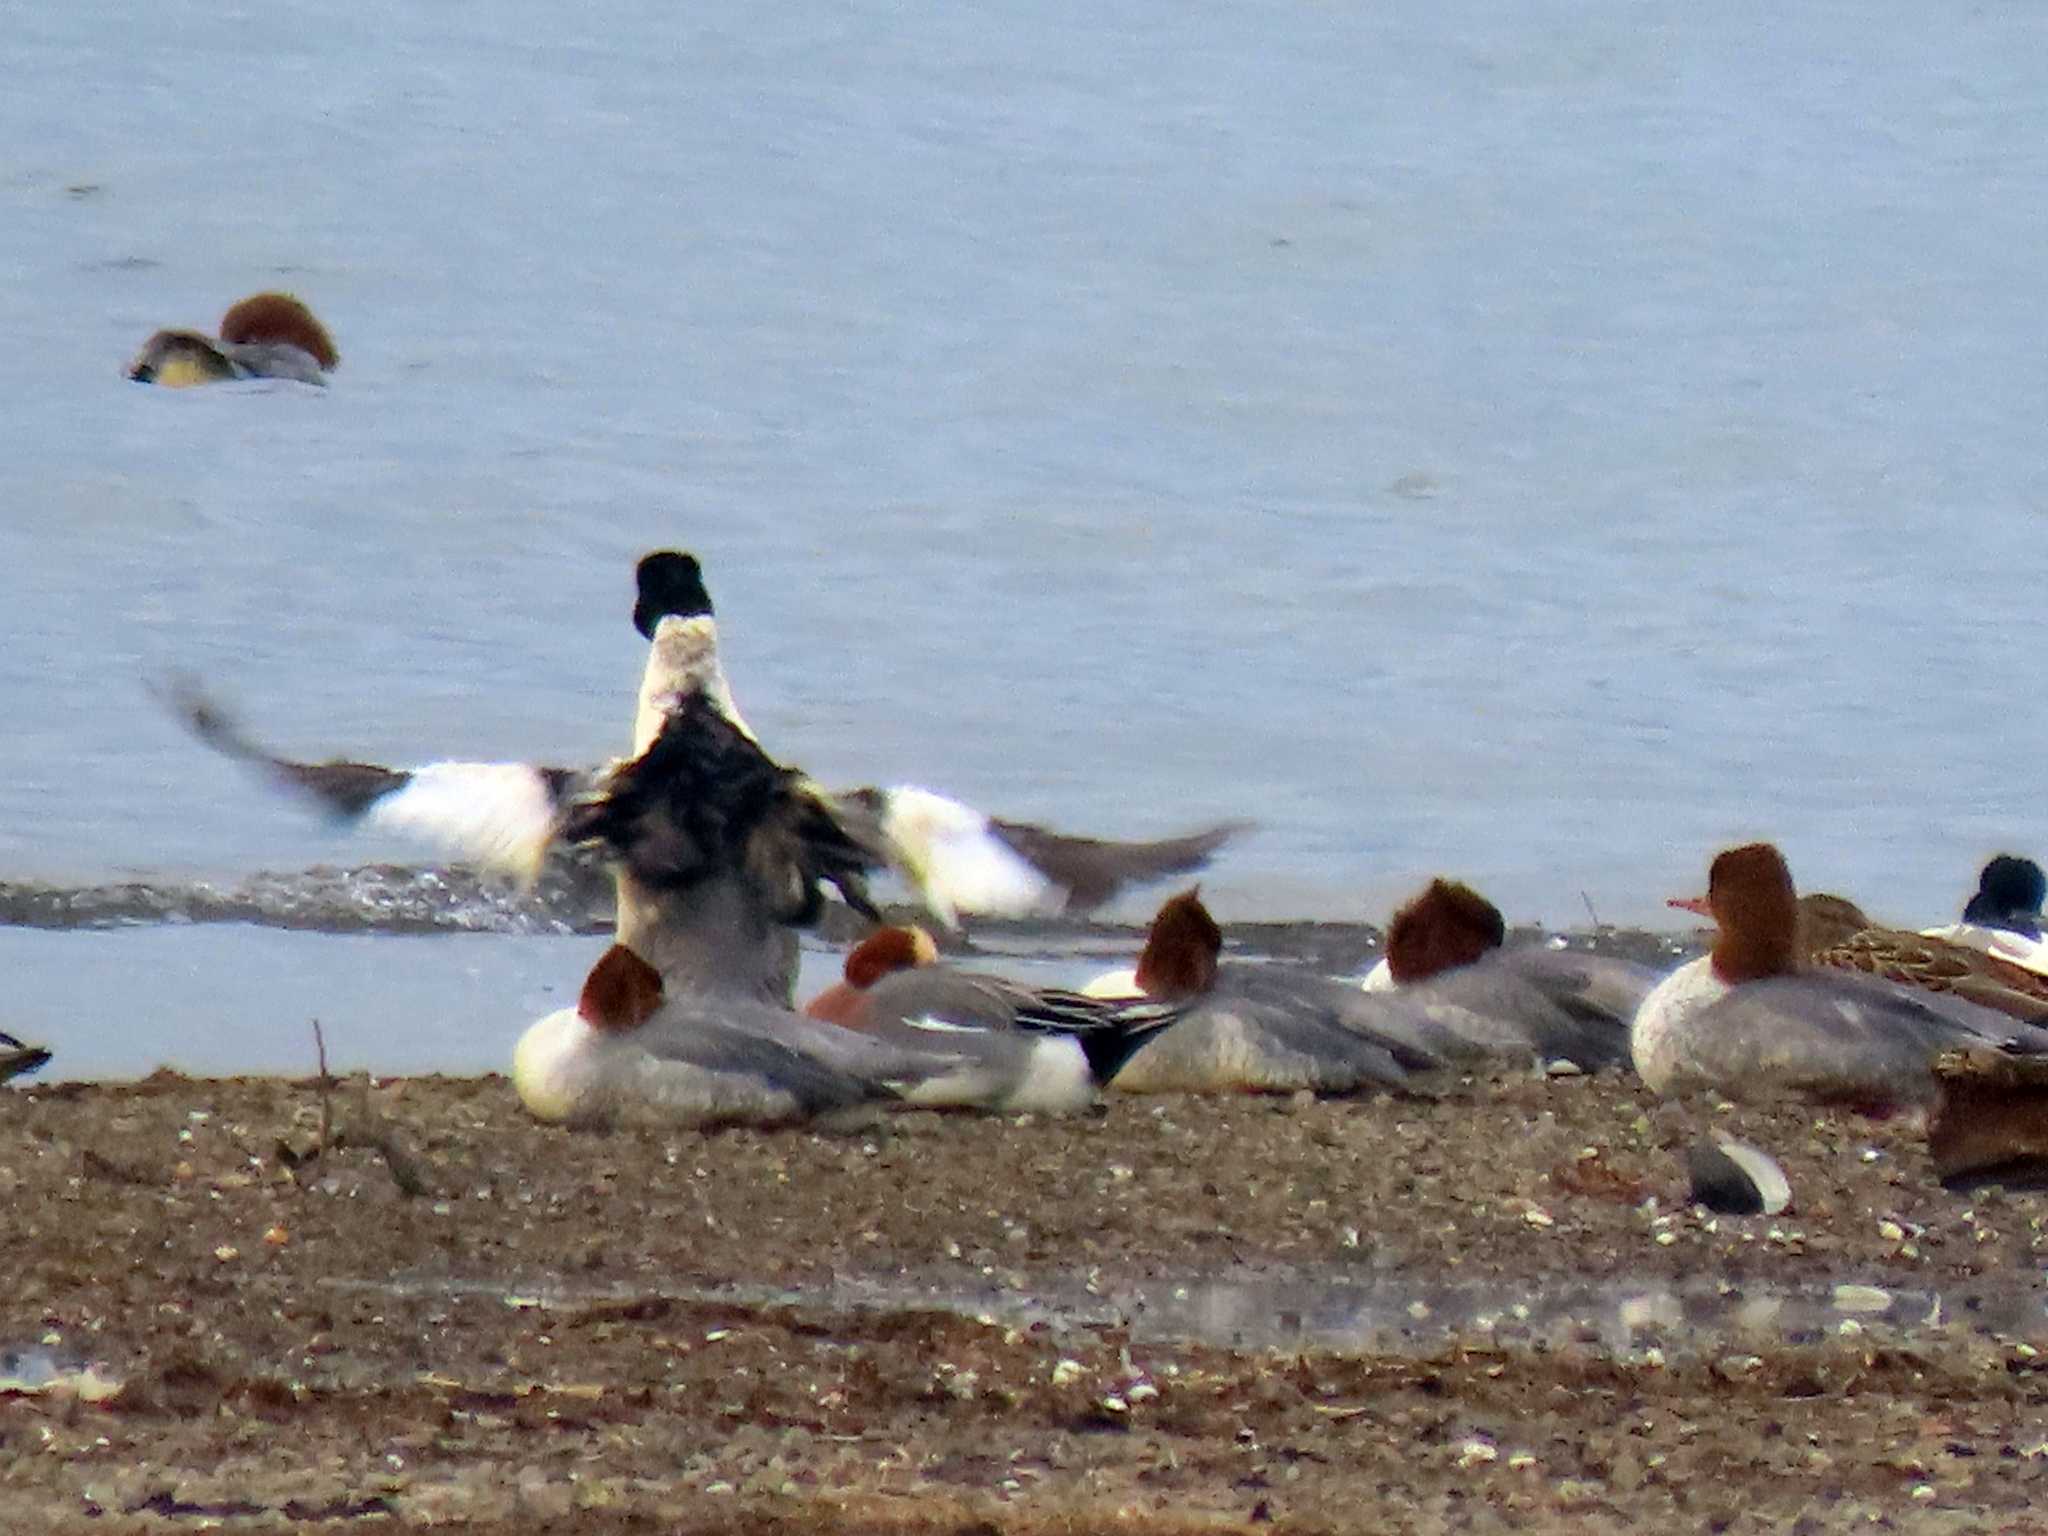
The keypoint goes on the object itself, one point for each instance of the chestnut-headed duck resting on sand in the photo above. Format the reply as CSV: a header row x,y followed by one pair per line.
x,y
265,336
1747,1021
1036,1048
629,1052
1247,1028
1444,954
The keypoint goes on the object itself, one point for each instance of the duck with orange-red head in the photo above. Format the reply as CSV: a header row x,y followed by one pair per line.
x,y
1247,1028
1445,954
1750,1020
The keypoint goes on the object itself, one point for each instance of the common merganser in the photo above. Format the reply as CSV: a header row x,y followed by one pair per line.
x,y
1247,1028
265,336
1445,954
1745,1021
2003,918
629,1052
1032,1048
959,860
18,1059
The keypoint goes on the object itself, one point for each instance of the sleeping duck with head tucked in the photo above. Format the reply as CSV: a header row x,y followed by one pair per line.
x,y
265,336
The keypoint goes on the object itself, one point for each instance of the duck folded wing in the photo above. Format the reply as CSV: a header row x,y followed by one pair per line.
x,y
502,816
1840,1035
1536,1004
1231,1042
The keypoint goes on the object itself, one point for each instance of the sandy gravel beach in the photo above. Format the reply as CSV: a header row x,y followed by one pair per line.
x,y
1172,1315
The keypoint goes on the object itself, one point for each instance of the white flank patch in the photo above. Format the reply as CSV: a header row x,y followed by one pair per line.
x,y
497,814
2015,948
1056,1078
957,864
1380,978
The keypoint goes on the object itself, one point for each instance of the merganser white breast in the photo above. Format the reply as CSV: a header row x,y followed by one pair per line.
x,y
1745,1021
626,1052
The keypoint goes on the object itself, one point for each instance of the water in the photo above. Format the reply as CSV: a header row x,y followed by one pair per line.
x,y
1542,447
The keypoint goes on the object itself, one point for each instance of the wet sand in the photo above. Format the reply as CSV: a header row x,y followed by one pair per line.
x,y
1173,1315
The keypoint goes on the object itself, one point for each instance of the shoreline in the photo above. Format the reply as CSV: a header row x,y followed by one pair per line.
x,y
1172,1314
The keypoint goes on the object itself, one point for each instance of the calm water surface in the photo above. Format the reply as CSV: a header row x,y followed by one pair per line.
x,y
1541,446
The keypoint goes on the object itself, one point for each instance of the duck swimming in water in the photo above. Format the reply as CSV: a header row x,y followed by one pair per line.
x,y
1747,1021
265,336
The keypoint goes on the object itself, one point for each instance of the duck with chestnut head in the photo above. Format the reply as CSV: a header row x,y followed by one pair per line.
x,y
1445,954
1247,1028
265,336
1750,1020
1021,1047
631,1051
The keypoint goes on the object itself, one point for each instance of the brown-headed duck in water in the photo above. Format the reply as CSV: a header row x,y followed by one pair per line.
x,y
265,336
